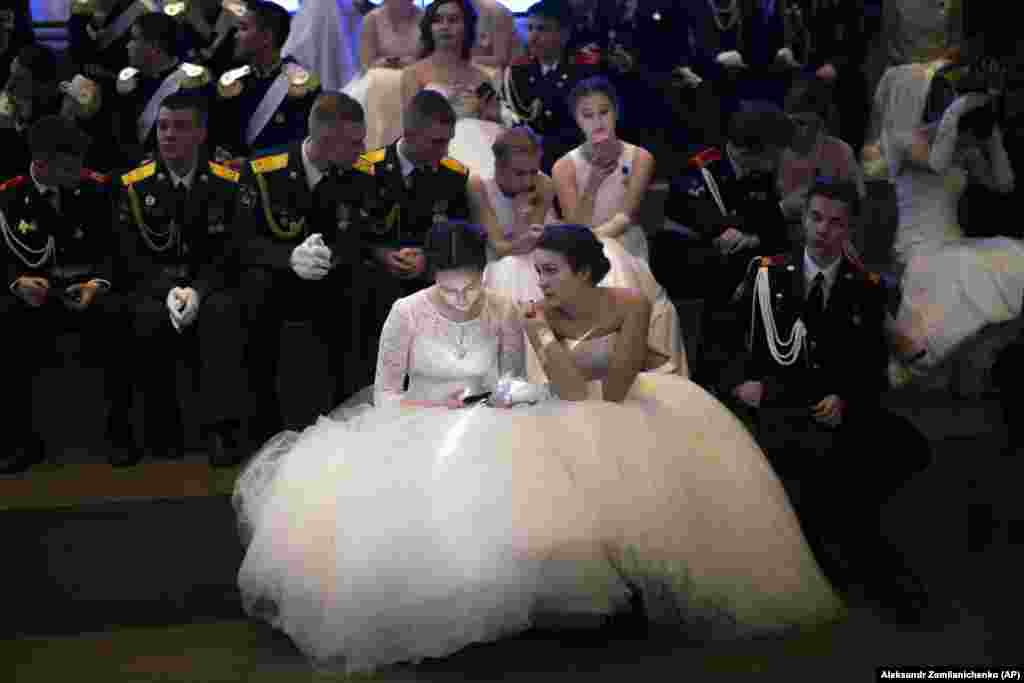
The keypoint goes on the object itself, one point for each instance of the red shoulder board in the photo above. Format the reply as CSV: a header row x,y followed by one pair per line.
x,y
522,60
705,157
13,182
587,56
95,177
777,260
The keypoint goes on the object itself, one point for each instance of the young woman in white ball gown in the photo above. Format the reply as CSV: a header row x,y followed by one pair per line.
x,y
415,527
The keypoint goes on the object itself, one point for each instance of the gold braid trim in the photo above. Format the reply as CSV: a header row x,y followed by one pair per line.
x,y
145,230
289,234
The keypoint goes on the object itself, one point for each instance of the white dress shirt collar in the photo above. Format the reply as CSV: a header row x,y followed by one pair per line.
x,y
811,270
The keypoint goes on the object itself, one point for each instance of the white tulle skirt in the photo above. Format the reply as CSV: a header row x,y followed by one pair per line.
x,y
394,535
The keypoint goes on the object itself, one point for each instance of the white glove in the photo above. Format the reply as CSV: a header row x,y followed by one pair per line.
x,y
689,77
183,306
512,391
785,55
311,260
732,58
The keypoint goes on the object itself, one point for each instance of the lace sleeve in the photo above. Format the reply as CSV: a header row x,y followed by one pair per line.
x,y
393,356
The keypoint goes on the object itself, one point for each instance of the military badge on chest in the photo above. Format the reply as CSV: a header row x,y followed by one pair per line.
x,y
247,196
215,226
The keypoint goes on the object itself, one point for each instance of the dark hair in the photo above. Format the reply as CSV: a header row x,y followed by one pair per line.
x,y
40,61
469,21
595,85
809,96
182,100
456,244
332,106
53,135
555,10
981,122
426,108
579,246
271,17
839,190
516,140
160,30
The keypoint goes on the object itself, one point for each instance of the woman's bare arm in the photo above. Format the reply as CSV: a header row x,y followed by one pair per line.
x,y
639,181
630,355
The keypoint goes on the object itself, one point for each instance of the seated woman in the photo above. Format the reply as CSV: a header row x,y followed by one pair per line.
x,y
448,33
952,287
514,204
417,527
602,182
389,41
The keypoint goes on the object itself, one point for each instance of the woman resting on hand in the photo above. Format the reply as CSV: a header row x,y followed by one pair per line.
x,y
421,525
602,182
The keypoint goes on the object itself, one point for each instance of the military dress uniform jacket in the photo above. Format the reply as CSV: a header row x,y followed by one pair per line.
x,y
844,352
67,245
757,36
751,202
277,211
167,245
240,101
99,45
401,216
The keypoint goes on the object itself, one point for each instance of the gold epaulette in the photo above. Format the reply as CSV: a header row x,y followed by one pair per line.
x,y
13,183
364,165
454,165
376,156
139,174
274,162
224,172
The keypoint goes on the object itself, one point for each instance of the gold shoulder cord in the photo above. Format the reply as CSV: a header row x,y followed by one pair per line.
x,y
147,232
295,229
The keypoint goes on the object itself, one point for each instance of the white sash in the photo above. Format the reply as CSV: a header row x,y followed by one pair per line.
x,y
149,114
271,101
123,22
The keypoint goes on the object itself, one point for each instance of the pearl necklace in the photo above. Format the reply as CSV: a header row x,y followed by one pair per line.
x,y
732,10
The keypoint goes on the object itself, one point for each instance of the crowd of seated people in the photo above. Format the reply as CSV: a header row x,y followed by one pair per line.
x,y
188,189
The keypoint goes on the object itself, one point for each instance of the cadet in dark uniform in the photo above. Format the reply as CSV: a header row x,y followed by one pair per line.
x,y
98,35
737,48
812,378
154,73
415,186
298,230
58,251
176,214
264,104
729,201
537,84
835,39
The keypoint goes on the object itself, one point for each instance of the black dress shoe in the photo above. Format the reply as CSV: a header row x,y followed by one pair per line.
x,y
22,456
226,446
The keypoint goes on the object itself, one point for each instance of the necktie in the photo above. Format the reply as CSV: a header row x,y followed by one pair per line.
x,y
815,306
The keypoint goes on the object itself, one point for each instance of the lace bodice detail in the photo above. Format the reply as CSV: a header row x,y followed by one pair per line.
x,y
592,356
439,356
394,43
462,98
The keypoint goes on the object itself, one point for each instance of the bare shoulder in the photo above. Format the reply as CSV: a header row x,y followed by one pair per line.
x,y
475,183
563,168
626,301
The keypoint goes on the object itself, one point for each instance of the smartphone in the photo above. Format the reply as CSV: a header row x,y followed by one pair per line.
x,y
475,398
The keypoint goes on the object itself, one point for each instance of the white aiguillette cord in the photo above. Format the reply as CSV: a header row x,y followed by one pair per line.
x,y
791,347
